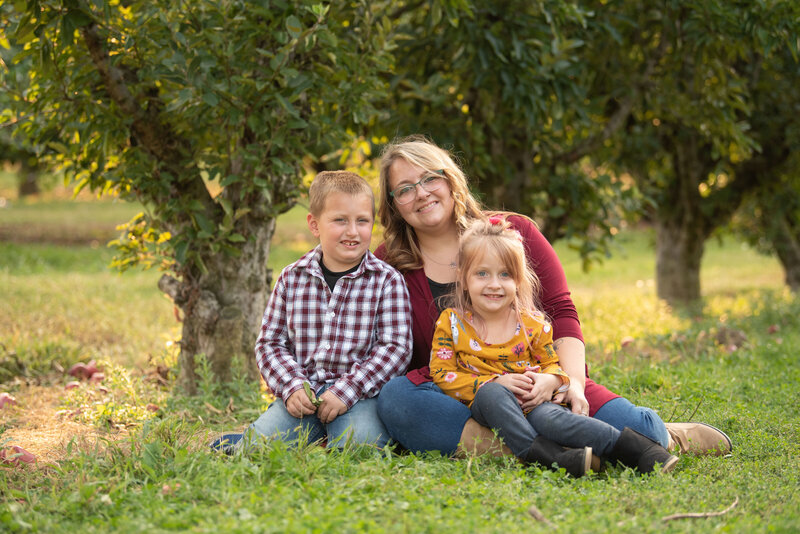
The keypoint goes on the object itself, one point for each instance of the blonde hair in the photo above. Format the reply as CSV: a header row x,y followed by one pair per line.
x,y
328,182
497,235
402,251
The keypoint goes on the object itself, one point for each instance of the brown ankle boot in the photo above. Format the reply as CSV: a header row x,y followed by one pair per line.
x,y
477,440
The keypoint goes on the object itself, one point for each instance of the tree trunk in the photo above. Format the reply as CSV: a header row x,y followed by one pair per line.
x,y
679,251
29,180
787,247
223,309
681,224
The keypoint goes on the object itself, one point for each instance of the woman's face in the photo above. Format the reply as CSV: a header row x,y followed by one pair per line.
x,y
429,210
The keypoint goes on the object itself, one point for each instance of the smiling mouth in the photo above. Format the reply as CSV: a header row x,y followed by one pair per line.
x,y
428,205
350,243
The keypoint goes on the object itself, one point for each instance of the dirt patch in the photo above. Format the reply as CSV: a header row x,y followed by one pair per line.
x,y
92,234
36,425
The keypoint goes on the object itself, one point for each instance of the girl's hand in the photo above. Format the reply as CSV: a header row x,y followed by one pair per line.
x,y
544,385
516,383
331,407
299,404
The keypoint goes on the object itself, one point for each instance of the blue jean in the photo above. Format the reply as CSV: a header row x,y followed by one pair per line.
x,y
422,418
360,425
497,408
620,412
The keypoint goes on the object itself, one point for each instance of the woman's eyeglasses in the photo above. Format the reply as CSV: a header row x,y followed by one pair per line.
x,y
406,193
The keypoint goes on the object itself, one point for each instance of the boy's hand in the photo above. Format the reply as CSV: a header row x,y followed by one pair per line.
x,y
299,404
544,385
331,407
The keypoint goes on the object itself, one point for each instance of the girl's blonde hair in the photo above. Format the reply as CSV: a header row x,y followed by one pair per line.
x,y
402,251
497,235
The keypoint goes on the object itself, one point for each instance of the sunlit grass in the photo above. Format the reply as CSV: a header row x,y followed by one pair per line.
x,y
60,305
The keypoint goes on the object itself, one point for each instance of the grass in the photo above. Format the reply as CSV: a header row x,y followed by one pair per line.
x,y
60,305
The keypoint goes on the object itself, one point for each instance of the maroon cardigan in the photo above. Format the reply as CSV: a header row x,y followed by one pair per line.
x,y
555,300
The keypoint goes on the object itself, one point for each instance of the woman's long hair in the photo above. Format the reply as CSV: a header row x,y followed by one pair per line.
x,y
402,250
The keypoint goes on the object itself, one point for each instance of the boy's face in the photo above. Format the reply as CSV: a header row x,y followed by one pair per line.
x,y
344,229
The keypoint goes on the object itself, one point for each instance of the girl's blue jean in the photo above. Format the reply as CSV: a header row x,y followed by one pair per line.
x,y
496,407
360,425
422,418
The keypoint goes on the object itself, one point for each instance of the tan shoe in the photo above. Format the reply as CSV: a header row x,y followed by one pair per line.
x,y
698,439
477,440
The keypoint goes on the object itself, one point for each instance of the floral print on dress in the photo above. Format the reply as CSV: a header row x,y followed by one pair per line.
x,y
444,353
450,377
454,327
474,345
546,328
518,349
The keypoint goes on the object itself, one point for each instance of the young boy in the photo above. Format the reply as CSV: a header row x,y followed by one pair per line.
x,y
338,320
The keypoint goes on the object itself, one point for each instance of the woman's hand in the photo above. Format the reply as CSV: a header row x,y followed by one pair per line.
x,y
299,404
331,407
575,397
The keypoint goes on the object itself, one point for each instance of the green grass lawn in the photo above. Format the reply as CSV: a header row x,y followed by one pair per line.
x,y
59,304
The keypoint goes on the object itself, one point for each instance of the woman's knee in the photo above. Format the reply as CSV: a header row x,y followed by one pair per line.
x,y
391,399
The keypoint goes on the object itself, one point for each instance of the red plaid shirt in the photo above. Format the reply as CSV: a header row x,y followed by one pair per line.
x,y
356,337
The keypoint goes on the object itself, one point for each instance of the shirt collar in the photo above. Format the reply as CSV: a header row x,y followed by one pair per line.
x,y
310,261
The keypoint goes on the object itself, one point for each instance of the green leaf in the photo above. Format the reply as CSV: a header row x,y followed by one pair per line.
x,y
236,238
204,224
227,207
210,99
294,26
228,180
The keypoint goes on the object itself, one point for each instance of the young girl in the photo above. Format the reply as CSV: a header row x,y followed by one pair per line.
x,y
493,346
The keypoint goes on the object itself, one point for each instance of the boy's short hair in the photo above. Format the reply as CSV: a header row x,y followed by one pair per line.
x,y
328,182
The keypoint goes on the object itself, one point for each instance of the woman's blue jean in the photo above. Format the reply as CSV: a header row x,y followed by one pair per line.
x,y
422,418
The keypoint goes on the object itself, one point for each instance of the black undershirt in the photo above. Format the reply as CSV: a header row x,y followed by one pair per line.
x,y
331,277
439,290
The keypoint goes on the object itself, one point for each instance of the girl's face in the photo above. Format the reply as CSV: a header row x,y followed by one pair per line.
x,y
490,285
428,211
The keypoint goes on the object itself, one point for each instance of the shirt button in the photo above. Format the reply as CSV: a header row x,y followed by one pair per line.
x,y
332,314
328,347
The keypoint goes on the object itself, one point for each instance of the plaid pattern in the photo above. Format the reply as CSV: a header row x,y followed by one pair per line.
x,y
356,337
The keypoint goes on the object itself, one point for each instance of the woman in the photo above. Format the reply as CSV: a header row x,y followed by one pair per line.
x,y
424,205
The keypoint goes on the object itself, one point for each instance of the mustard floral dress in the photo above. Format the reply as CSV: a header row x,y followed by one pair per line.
x,y
461,362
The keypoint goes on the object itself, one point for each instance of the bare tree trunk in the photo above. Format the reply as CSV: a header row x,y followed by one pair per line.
x,y
223,309
787,247
681,223
679,251
29,180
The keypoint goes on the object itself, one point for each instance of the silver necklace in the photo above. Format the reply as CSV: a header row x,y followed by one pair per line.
x,y
451,265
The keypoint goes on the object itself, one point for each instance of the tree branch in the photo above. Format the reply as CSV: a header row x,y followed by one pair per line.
x,y
702,515
619,117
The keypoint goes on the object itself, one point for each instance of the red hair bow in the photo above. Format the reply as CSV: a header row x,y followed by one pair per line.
x,y
495,220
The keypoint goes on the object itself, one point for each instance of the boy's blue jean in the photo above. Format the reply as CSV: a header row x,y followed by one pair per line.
x,y
496,407
360,425
422,418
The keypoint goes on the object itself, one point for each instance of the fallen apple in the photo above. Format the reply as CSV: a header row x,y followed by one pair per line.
x,y
6,399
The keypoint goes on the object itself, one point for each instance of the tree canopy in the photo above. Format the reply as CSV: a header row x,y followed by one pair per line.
x,y
152,101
